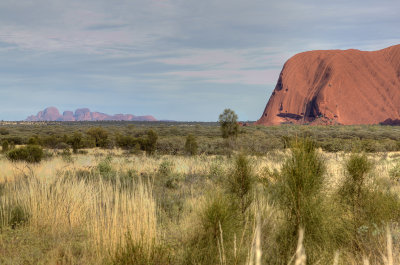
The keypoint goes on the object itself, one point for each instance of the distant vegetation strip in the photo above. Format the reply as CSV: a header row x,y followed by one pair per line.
x,y
171,136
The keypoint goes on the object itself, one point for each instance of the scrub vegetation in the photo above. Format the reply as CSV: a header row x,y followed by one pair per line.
x,y
180,193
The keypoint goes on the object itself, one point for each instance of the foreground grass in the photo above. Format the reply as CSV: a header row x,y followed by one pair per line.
x,y
107,207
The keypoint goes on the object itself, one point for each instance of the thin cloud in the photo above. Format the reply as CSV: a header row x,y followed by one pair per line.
x,y
151,55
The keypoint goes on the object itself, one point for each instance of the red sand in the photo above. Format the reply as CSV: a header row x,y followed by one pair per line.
x,y
337,87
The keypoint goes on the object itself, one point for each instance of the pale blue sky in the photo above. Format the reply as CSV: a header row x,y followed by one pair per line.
x,y
174,59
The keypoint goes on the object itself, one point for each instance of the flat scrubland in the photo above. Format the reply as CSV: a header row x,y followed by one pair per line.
x,y
287,206
254,140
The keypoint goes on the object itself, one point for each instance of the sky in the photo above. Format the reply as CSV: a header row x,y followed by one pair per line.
x,y
181,60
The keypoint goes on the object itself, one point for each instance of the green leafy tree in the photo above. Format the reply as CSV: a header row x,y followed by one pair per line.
x,y
126,142
5,146
76,142
150,143
191,145
229,124
99,135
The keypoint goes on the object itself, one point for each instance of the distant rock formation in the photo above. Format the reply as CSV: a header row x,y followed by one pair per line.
x,y
337,87
84,114
50,113
391,122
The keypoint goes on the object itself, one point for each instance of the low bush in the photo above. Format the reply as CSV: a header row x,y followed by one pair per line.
x,y
76,142
191,146
240,182
30,154
66,155
4,131
394,173
217,227
150,142
106,170
138,253
165,168
18,216
35,140
368,206
297,188
99,136
5,146
127,142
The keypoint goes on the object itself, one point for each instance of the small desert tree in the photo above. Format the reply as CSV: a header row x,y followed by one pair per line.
x,y
99,135
229,124
5,146
240,182
191,145
354,189
150,143
76,142
298,191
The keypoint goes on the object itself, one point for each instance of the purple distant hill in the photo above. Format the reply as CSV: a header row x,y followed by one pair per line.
x,y
84,114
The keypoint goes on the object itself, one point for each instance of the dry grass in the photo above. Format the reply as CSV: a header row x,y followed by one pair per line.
x,y
103,213
388,259
58,205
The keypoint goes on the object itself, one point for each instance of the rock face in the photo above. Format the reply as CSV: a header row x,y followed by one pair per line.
x,y
68,116
84,114
50,113
337,87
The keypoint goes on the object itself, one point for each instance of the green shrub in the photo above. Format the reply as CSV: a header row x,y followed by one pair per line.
x,y
136,149
171,206
354,187
30,154
240,182
191,146
368,206
137,253
173,181
216,171
128,179
99,136
34,140
218,224
66,155
166,168
62,146
13,140
18,216
127,142
171,145
76,142
106,170
229,124
5,146
86,175
51,141
298,192
394,173
150,142
4,131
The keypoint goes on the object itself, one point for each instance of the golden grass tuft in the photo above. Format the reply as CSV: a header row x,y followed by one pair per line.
x,y
58,205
